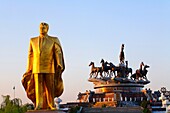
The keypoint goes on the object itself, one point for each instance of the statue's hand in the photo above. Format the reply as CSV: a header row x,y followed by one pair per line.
x,y
59,69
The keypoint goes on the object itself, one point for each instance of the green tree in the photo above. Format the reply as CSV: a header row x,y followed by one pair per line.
x,y
145,104
12,106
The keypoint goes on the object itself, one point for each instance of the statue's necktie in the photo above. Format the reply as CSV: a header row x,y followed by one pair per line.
x,y
41,42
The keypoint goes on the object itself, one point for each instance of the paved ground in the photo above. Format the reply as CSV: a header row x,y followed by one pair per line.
x,y
113,110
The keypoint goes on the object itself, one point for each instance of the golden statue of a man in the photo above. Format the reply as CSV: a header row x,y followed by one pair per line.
x,y
42,80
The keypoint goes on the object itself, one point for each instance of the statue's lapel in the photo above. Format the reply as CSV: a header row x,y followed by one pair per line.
x,y
39,49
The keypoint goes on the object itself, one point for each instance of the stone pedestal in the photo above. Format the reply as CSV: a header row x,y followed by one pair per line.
x,y
45,111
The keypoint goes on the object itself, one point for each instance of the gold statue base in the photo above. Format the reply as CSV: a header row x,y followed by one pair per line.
x,y
45,111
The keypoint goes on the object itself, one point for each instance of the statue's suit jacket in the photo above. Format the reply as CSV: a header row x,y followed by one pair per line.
x,y
45,59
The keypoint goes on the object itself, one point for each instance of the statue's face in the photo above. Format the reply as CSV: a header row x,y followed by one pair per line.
x,y
43,28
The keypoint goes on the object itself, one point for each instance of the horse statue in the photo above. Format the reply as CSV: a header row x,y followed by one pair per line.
x,y
127,69
113,68
145,71
140,73
95,70
105,67
136,75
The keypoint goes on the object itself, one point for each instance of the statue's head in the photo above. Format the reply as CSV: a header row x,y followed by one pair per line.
x,y
123,46
43,28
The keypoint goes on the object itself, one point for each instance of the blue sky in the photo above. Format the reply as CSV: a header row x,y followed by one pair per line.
x,y
89,30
